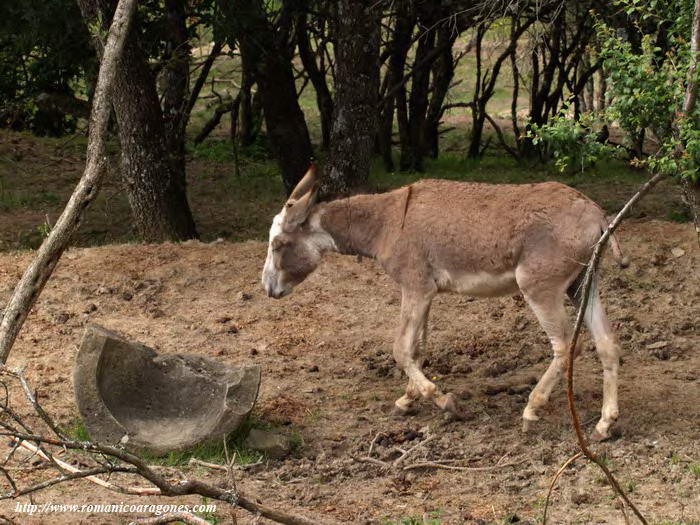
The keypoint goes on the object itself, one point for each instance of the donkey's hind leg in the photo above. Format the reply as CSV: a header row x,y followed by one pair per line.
x,y
609,353
547,302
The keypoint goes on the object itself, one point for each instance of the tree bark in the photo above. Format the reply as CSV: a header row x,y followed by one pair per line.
x,y
154,175
176,78
50,251
357,86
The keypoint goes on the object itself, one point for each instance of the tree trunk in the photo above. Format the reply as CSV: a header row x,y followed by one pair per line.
x,y
443,73
250,114
400,45
154,176
412,157
175,79
324,100
266,52
357,86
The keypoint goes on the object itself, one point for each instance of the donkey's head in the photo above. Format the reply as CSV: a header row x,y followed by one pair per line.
x,y
296,247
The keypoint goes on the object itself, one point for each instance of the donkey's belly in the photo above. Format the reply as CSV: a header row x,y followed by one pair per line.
x,y
479,284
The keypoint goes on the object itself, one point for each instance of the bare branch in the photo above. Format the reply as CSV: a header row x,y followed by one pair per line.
x,y
585,292
184,517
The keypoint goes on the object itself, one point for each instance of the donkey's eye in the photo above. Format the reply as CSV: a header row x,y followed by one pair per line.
x,y
277,245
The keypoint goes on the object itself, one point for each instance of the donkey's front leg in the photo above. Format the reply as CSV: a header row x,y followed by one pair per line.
x,y
415,307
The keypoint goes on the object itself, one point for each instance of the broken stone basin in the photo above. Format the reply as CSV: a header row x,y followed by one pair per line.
x,y
128,394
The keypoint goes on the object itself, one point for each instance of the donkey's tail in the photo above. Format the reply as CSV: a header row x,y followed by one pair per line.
x,y
623,261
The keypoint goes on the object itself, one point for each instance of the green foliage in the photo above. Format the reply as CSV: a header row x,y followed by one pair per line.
x,y
44,48
647,68
573,142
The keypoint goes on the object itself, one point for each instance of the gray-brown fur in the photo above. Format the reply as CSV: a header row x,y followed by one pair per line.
x,y
478,239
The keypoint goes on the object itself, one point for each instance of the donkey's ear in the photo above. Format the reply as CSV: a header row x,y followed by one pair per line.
x,y
305,184
301,200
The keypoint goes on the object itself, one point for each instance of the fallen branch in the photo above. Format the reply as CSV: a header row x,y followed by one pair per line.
x,y
170,517
113,459
182,487
438,465
554,481
224,468
88,475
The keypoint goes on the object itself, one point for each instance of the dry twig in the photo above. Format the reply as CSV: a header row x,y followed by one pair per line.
x,y
170,517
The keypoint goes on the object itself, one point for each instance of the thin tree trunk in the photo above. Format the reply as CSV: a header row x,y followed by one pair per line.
x,y
412,157
324,100
246,136
443,73
357,87
266,52
602,87
176,79
691,189
400,45
50,251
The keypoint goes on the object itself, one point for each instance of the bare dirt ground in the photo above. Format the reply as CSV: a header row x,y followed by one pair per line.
x,y
328,376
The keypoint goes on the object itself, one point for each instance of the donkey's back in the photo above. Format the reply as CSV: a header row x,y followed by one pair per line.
x,y
472,238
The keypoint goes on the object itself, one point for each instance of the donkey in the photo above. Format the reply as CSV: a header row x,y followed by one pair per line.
x,y
483,240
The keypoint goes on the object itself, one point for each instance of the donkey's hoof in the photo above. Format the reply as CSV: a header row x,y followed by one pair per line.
x,y
599,437
613,433
449,403
529,425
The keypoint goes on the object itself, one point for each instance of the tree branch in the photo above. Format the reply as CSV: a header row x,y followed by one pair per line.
x,y
41,268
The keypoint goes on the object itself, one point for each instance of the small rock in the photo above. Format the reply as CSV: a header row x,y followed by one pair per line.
x,y
313,368
461,369
518,389
62,318
156,313
492,390
658,259
271,444
677,252
243,296
496,369
580,498
253,351
92,307
662,354
127,296
655,346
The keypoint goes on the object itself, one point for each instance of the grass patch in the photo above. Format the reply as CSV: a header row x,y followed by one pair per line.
x,y
213,451
695,469
430,518
76,430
